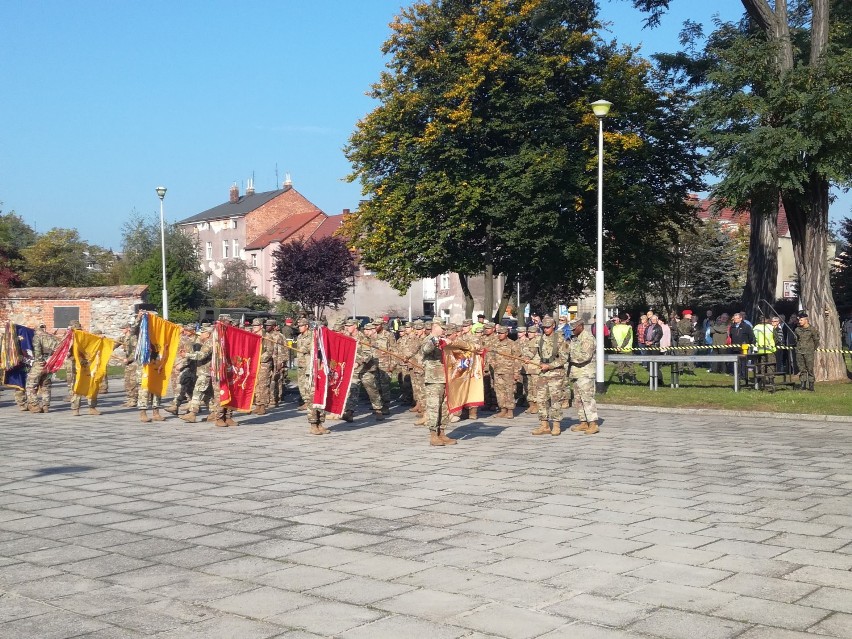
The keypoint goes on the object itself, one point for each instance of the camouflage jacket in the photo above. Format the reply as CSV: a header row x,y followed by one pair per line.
x,y
581,355
433,362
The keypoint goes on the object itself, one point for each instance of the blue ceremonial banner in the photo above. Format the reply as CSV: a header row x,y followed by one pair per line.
x,y
17,376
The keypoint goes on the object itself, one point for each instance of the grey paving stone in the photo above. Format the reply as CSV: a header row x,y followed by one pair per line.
x,y
56,586
837,625
428,604
764,587
509,621
262,602
817,575
328,618
399,626
582,630
57,624
16,607
680,574
596,582
600,610
159,616
243,567
223,626
99,602
768,613
678,596
525,569
674,624
830,599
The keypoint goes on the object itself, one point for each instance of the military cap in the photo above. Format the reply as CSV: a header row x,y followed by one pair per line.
x,y
427,325
547,321
467,322
257,322
270,322
489,324
302,322
576,322
76,324
502,330
189,327
205,328
350,322
802,315
369,326
532,328
97,331
477,330
338,324
418,324
406,324
225,317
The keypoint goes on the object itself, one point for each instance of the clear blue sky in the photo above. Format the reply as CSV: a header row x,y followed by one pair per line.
x,y
103,100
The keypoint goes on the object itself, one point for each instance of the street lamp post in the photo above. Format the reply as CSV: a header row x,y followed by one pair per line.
x,y
600,108
161,193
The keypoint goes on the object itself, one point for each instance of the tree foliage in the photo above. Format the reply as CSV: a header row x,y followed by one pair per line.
x,y
59,258
314,273
841,274
142,263
15,236
482,150
234,288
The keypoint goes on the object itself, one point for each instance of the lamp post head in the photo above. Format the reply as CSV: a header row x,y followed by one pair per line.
x,y
600,108
161,192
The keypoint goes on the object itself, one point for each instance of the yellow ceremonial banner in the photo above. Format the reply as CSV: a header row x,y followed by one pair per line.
x,y
164,338
91,356
464,374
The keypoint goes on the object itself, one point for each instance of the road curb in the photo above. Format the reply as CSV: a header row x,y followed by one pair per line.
x,y
843,419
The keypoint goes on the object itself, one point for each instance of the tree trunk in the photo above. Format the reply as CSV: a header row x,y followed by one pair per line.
x,y
505,297
468,298
762,254
809,231
489,292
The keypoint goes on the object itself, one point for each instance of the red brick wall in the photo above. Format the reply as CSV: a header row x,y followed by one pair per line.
x,y
286,205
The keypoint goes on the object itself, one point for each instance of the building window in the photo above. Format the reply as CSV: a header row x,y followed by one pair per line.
x,y
254,290
445,282
209,250
236,244
209,280
225,248
233,224
254,260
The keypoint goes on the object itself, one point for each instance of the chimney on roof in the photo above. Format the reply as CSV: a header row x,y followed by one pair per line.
x,y
234,194
250,187
345,211
288,183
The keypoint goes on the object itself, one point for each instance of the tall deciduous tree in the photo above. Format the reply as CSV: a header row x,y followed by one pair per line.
x,y
57,258
233,290
15,235
777,120
841,275
481,155
314,273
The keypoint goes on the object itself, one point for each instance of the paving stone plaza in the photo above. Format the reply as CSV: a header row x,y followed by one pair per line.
x,y
676,526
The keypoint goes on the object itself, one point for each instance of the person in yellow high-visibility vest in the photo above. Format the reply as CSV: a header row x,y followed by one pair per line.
x,y
622,341
764,342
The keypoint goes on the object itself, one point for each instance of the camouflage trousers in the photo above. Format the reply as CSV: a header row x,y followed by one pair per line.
x,y
584,399
200,388
146,398
488,387
437,415
20,398
504,388
185,387
38,386
418,387
384,383
805,362
306,390
70,375
76,400
406,392
261,392
131,383
368,380
550,392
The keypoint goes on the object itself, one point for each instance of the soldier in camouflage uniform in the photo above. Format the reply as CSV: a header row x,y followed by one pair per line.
x,y
264,372
366,366
418,375
304,347
521,384
437,416
200,359
183,371
581,359
403,346
38,382
528,350
128,342
146,397
281,359
487,341
807,341
76,399
549,360
505,357
383,339
221,415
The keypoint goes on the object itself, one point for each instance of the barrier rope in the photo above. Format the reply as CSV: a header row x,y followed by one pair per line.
x,y
718,346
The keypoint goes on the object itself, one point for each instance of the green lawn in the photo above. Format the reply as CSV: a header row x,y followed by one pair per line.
x,y
711,390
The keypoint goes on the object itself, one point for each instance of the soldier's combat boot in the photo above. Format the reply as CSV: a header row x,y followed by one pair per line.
x,y
347,416
510,413
211,417
555,430
75,412
24,408
323,429
189,418
379,415
543,428
155,415
221,423
385,409
173,409
421,421
143,416
302,406
229,419
811,386
580,428
448,441
498,415
435,439
315,429
533,409
259,410
592,429
415,408
94,411
34,408
473,413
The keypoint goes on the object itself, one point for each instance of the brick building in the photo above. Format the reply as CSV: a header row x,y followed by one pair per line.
x,y
100,307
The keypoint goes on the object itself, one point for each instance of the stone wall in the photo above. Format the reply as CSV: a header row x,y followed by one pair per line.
x,y
104,307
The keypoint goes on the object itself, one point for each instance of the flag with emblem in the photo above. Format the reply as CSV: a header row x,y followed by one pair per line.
x,y
236,360
332,366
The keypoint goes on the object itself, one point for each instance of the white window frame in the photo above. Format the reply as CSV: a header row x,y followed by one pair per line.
x,y
225,248
209,250
444,284
235,245
254,260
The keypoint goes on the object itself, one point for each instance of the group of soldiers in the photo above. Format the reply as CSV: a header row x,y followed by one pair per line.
x,y
537,369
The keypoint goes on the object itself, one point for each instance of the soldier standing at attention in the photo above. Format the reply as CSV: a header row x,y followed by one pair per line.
x,y
506,355
581,359
366,366
807,341
128,344
183,373
385,340
437,415
550,360
304,346
487,342
404,374
38,382
528,350
264,372
686,338
200,360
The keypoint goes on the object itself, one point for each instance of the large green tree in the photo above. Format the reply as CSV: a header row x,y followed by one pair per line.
x,y
481,155
142,263
775,115
58,258
234,288
15,236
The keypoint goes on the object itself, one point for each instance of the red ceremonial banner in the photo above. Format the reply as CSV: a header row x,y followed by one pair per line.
x,y
465,385
332,366
238,362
